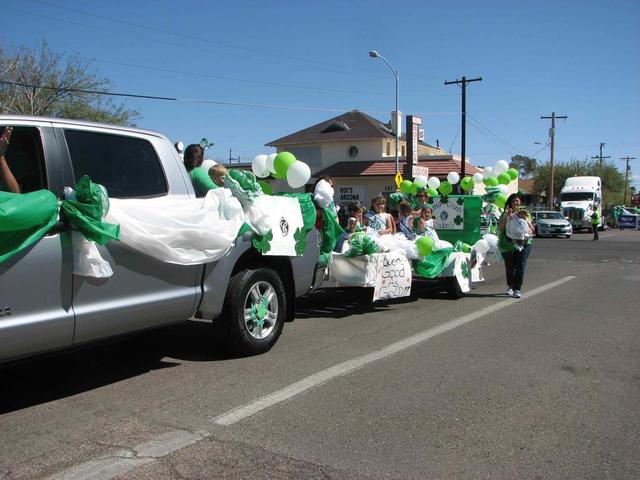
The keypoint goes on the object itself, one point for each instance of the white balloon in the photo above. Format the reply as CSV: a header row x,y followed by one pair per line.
x,y
270,158
478,177
207,164
433,182
298,174
501,167
453,178
259,166
420,179
481,246
503,188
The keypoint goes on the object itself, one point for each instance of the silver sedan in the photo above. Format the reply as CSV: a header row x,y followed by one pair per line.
x,y
548,223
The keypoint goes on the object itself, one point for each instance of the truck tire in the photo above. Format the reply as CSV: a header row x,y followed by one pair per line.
x,y
453,288
254,311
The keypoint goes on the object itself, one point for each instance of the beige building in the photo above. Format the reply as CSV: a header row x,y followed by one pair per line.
x,y
358,152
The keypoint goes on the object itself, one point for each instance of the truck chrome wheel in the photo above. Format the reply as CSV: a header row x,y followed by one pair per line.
x,y
255,310
261,310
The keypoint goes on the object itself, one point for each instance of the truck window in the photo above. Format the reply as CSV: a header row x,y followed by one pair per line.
x,y
576,196
26,159
127,167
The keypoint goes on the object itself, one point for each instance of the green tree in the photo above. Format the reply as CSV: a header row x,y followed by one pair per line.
x,y
612,178
40,82
525,165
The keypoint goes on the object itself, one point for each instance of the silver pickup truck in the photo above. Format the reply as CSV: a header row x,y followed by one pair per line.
x,y
44,307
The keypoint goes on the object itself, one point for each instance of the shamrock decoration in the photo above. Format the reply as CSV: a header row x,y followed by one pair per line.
x,y
444,200
460,201
204,143
301,241
465,270
261,243
259,311
457,220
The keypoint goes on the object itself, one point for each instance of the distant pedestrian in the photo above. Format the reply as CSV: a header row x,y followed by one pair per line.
x,y
595,220
515,260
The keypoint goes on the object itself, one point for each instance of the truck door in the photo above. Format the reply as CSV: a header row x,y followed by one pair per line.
x,y
143,292
35,284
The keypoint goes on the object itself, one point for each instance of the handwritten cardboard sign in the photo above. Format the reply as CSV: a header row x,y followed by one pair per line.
x,y
393,276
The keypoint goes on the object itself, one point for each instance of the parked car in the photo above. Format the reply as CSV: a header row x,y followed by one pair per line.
x,y
44,307
548,223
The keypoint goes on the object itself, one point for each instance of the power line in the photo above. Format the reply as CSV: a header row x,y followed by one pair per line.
x,y
197,74
186,100
256,52
505,142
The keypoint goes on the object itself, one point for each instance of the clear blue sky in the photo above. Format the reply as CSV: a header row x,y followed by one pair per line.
x,y
577,58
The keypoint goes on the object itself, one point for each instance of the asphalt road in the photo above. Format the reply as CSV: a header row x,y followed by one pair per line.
x,y
544,387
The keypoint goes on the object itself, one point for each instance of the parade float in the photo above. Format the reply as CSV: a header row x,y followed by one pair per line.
x,y
452,251
190,231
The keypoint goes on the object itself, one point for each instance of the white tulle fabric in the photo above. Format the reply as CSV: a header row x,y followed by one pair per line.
x,y
185,231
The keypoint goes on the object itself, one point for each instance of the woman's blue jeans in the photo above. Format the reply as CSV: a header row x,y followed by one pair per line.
x,y
515,263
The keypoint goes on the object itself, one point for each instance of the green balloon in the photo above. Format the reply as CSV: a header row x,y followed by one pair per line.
x,y
446,188
504,178
513,173
414,189
432,192
466,248
266,187
281,164
467,183
424,246
500,200
491,182
405,186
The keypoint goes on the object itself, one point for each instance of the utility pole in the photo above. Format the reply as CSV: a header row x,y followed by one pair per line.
x,y
463,82
602,144
626,177
552,134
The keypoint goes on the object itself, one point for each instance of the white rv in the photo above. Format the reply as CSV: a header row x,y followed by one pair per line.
x,y
579,198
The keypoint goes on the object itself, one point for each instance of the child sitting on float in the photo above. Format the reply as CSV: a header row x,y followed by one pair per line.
x,y
217,174
377,219
426,224
405,223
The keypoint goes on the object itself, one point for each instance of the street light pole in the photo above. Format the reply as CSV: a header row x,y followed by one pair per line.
x,y
376,54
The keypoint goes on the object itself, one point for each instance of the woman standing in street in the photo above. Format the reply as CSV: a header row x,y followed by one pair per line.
x,y
515,260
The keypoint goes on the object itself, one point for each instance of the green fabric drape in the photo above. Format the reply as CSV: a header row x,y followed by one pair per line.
x,y
24,219
87,211
433,265
331,230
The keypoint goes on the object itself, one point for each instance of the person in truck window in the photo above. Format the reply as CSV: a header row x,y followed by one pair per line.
x,y
193,158
7,180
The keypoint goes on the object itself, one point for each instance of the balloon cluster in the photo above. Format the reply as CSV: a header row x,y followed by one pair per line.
x,y
283,165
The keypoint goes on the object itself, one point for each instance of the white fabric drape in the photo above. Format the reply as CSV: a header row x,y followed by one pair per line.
x,y
185,231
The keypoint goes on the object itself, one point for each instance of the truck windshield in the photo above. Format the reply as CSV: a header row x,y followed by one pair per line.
x,y
576,196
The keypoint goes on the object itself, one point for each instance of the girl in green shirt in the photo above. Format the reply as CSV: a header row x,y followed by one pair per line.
x,y
193,158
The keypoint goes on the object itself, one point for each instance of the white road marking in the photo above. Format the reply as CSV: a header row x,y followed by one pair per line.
x,y
126,460
240,413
